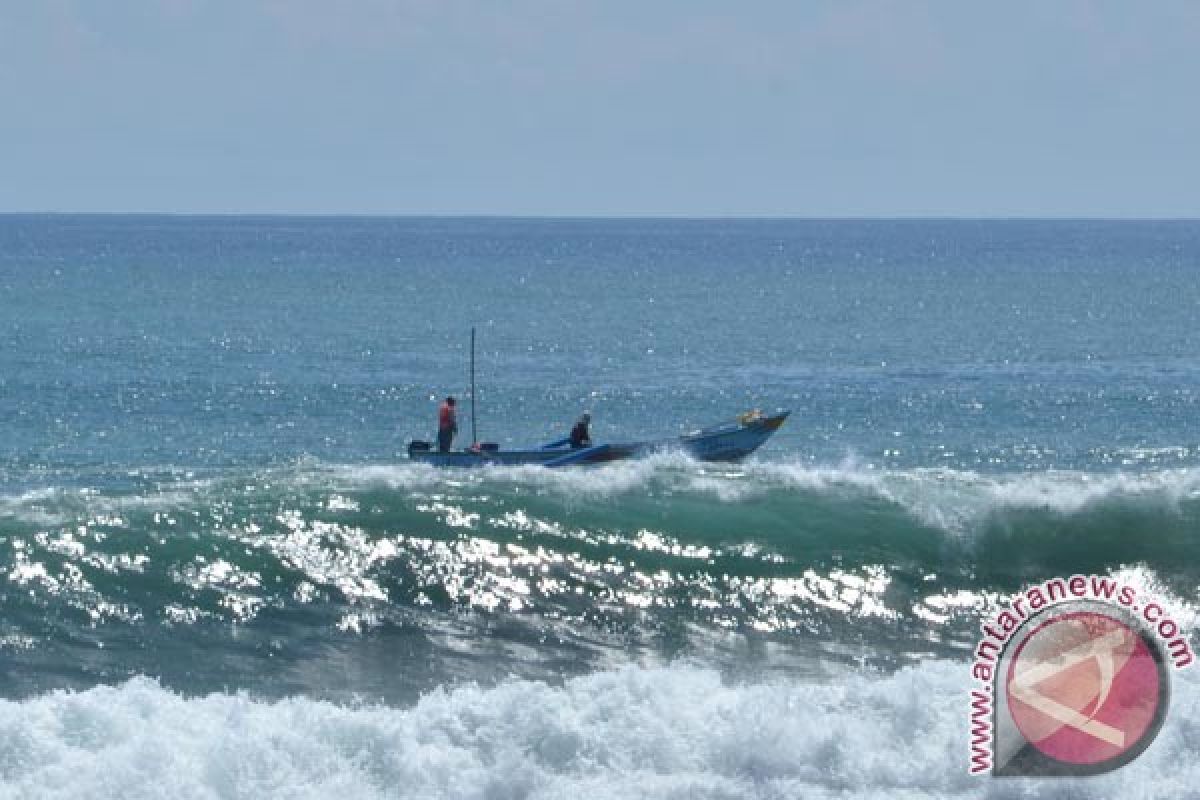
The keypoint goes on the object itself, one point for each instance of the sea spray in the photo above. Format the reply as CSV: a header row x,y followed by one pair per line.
x,y
631,731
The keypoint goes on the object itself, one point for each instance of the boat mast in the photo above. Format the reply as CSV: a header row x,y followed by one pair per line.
x,y
474,435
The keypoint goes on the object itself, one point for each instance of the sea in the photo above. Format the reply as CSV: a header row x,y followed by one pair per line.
x,y
221,577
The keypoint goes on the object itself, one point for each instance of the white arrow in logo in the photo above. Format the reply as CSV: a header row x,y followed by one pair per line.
x,y
1108,651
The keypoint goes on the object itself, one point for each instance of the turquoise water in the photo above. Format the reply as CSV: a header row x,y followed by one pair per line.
x,y
203,489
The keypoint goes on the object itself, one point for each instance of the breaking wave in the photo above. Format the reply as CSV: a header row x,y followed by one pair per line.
x,y
670,732
563,567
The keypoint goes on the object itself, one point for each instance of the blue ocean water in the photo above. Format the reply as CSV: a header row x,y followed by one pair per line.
x,y
207,521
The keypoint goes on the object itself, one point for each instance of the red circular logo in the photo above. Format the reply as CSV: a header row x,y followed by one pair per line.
x,y
1084,688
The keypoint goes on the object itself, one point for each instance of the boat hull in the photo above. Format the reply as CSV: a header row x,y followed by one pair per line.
x,y
730,442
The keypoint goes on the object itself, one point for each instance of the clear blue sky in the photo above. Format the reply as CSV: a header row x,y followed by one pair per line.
x,y
558,107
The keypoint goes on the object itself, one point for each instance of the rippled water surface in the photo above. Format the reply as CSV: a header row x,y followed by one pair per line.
x,y
203,488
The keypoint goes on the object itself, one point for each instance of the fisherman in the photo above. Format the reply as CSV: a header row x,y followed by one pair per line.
x,y
580,437
447,425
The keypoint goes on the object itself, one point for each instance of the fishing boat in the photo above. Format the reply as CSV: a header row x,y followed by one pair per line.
x,y
728,441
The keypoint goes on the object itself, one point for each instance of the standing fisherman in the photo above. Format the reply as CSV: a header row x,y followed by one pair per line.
x,y
447,425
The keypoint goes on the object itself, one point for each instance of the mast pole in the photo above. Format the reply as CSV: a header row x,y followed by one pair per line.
x,y
474,435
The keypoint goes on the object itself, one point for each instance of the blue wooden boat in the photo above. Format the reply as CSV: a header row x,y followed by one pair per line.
x,y
729,441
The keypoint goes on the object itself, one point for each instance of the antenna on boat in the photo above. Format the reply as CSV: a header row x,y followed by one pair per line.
x,y
474,435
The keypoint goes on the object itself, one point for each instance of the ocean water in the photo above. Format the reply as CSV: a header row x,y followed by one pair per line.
x,y
220,576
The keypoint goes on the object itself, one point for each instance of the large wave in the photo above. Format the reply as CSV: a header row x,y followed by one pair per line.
x,y
658,555
941,497
670,732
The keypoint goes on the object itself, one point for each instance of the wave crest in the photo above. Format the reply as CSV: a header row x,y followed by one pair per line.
x,y
653,733
950,499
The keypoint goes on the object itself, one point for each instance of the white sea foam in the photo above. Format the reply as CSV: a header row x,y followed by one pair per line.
x,y
671,732
593,482
52,506
950,499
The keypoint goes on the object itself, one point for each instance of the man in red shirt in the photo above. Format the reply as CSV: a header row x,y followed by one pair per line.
x,y
447,425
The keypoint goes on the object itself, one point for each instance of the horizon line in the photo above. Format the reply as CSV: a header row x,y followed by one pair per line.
x,y
630,217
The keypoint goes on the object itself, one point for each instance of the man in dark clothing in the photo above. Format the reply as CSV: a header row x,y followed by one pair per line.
x,y
580,436
447,425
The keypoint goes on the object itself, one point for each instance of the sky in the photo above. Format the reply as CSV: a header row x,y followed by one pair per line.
x,y
1059,108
